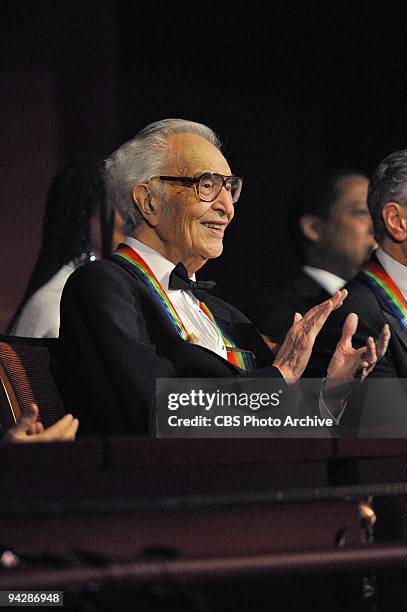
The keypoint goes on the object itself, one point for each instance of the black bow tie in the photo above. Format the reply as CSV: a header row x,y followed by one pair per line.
x,y
179,280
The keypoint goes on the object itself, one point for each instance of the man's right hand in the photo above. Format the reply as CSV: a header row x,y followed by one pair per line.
x,y
348,362
30,429
295,352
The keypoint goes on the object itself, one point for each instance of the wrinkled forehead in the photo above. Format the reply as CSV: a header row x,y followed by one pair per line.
x,y
191,155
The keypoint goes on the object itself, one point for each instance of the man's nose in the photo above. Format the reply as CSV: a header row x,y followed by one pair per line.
x,y
224,204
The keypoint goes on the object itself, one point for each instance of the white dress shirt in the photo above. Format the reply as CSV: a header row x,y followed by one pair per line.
x,y
396,270
328,281
184,302
39,317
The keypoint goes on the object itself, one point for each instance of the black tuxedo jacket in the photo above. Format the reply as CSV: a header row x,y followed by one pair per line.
x,y
115,341
299,295
379,406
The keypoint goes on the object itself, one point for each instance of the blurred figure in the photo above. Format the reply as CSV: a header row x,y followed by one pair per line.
x,y
30,429
79,226
336,236
378,295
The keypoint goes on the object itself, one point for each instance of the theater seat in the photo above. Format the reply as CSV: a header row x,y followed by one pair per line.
x,y
25,377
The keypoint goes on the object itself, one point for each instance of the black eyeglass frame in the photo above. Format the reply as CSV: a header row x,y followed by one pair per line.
x,y
189,181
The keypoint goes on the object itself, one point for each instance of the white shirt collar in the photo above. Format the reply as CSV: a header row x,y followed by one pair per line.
x,y
395,269
328,281
161,267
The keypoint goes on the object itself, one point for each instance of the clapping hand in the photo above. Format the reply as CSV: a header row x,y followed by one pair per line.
x,y
347,363
295,352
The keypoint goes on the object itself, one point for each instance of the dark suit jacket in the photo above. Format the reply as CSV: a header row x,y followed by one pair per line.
x,y
115,341
299,295
379,406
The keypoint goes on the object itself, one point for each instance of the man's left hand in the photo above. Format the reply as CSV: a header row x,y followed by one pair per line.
x,y
348,362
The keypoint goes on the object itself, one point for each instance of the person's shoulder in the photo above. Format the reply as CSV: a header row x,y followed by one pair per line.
x,y
95,281
101,267
301,283
298,293
362,301
360,296
57,282
39,317
95,272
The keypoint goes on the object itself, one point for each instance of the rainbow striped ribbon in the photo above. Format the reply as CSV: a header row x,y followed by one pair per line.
x,y
238,357
384,286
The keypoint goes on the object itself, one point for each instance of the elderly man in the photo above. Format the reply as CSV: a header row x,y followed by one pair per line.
x,y
336,232
141,316
378,295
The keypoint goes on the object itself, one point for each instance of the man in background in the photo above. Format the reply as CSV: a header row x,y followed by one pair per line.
x,y
378,295
335,231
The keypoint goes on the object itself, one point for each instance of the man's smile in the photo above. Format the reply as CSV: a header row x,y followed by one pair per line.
x,y
216,228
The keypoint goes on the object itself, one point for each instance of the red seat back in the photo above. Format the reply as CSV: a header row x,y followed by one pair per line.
x,y
25,373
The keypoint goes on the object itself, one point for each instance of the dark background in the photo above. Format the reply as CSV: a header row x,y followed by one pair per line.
x,y
290,87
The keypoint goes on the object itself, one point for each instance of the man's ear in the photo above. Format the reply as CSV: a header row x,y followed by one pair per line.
x,y
311,227
395,219
145,204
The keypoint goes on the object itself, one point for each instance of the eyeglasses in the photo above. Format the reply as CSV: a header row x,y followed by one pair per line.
x,y
208,185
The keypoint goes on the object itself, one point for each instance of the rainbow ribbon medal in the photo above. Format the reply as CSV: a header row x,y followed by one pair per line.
x,y
244,360
384,286
240,358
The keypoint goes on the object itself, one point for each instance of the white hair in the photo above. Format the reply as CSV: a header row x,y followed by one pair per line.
x,y
137,160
